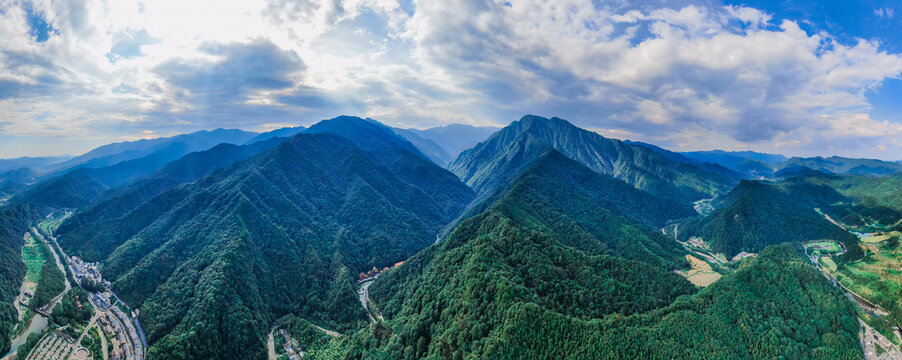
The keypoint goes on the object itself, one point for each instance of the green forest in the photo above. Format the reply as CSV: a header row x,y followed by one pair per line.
x,y
14,222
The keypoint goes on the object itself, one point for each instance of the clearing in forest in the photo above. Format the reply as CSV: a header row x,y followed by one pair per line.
x,y
700,273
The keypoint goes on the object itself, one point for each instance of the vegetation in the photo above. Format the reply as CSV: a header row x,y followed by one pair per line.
x,y
52,281
878,278
212,264
506,153
30,343
74,310
316,344
14,222
756,214
92,342
530,278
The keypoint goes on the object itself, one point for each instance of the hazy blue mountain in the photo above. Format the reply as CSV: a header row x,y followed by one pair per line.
x,y
21,175
504,154
428,147
110,154
283,232
731,158
40,163
285,132
455,138
841,165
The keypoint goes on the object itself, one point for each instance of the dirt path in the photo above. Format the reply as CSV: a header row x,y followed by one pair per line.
x,y
328,332
271,346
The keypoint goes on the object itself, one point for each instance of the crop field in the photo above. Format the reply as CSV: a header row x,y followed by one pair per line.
x,y
877,277
881,237
700,273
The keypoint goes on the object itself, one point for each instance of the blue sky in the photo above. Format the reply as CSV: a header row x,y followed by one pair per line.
x,y
795,77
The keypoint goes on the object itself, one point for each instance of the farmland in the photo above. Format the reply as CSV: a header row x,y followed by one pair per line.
x,y
700,274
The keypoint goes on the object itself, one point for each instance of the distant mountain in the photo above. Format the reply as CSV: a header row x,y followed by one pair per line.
x,y
455,138
504,154
283,232
841,165
119,174
111,154
731,158
757,214
285,132
427,147
21,175
113,204
711,167
538,276
39,164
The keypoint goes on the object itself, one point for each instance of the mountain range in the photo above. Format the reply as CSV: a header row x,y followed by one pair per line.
x,y
539,240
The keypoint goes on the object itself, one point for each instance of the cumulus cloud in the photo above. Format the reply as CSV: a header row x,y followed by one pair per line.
x,y
680,75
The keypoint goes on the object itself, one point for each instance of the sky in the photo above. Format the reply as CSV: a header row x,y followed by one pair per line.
x,y
797,77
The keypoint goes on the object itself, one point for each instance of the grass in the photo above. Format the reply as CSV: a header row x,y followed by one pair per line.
x,y
829,264
34,258
878,278
50,225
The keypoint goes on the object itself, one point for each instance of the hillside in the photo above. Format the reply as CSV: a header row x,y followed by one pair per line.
x,y
491,163
536,277
279,233
757,214
114,204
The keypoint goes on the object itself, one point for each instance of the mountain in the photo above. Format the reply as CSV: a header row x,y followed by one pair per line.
x,y
14,222
111,154
213,263
40,163
756,214
732,158
428,147
285,132
85,184
504,154
841,165
21,175
455,138
710,167
113,204
539,276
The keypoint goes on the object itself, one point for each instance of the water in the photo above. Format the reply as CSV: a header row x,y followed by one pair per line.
x,y
36,325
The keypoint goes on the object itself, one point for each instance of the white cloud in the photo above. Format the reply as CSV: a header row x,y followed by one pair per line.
x,y
728,77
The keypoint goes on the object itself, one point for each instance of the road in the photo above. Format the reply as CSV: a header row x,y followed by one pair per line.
x,y
364,294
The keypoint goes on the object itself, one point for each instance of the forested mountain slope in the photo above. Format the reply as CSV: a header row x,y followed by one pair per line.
x,y
492,163
116,203
213,263
756,214
540,276
14,222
